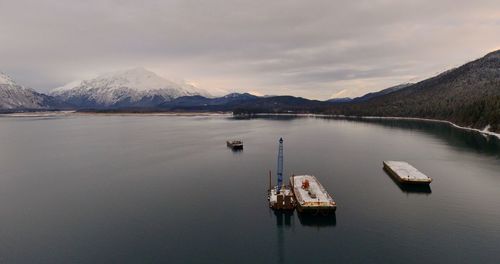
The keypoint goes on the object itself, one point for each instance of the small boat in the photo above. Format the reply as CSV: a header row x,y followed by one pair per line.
x,y
405,173
235,144
311,196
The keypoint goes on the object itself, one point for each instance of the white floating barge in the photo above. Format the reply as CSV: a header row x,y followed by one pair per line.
x,y
311,196
405,173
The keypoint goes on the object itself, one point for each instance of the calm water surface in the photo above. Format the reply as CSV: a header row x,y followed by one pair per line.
x,y
158,189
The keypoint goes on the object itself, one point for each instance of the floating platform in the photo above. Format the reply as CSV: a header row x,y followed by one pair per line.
x,y
405,173
311,196
235,144
283,201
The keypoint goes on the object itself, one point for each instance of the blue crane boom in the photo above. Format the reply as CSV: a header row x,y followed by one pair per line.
x,y
280,166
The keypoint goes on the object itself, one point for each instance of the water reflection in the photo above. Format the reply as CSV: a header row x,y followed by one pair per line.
x,y
285,219
237,150
105,185
276,117
411,188
458,138
318,221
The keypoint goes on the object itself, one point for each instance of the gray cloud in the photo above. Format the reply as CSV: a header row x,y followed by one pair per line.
x,y
307,48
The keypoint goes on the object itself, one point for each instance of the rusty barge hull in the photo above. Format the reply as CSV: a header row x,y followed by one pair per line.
x,y
313,209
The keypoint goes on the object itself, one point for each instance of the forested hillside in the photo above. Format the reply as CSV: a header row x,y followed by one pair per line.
x,y
468,96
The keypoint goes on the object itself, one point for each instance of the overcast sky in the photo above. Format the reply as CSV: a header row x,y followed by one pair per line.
x,y
314,49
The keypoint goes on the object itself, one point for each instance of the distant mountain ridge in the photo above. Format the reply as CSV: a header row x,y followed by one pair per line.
x,y
385,91
15,96
340,100
369,96
201,103
135,87
468,95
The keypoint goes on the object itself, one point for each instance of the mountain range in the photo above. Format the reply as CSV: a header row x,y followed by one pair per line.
x,y
468,95
15,96
369,96
135,87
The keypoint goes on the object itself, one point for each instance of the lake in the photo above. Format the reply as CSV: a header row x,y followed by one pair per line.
x,y
166,189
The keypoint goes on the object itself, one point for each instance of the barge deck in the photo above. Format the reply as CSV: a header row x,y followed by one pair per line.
x,y
311,196
405,173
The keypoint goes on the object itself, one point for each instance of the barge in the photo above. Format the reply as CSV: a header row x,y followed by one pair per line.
x,y
280,196
405,173
311,196
235,144
281,199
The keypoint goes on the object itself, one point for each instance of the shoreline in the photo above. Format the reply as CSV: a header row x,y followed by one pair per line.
x,y
485,131
76,113
155,114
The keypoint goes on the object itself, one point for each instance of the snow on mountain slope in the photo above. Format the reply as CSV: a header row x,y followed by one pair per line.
x,y
14,96
133,87
6,80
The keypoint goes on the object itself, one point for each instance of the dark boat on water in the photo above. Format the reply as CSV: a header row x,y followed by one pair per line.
x,y
235,144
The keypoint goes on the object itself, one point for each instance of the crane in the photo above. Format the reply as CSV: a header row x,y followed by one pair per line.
x,y
280,166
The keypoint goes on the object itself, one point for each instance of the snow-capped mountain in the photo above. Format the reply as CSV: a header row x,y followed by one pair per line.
x,y
14,96
136,87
